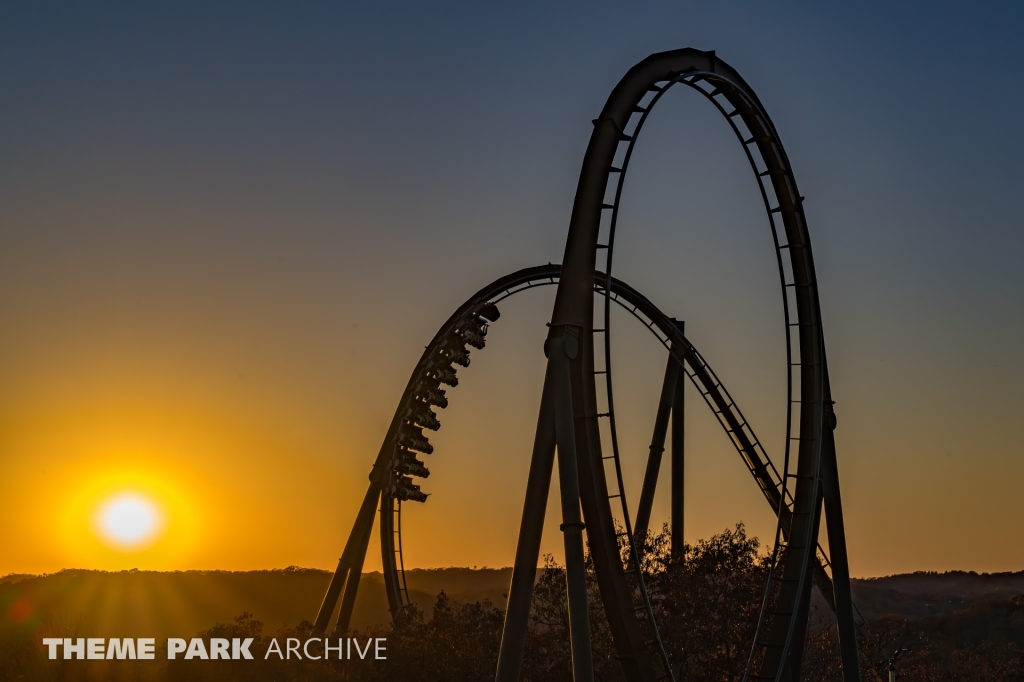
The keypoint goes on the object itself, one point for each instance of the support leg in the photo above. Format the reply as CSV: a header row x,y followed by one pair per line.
x,y
795,661
678,452
351,558
348,601
572,521
840,562
661,421
524,571
790,605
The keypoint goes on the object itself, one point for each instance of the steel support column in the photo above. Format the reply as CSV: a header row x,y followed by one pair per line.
x,y
843,597
562,350
348,601
351,560
657,448
524,571
678,453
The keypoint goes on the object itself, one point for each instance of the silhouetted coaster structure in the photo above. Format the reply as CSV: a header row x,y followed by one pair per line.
x,y
579,378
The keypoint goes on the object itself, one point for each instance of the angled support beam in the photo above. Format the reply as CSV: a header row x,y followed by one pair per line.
x,y
843,597
351,561
524,571
657,448
348,601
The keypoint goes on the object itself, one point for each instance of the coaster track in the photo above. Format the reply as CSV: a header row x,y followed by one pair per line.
x,y
812,481
662,327
570,418
407,433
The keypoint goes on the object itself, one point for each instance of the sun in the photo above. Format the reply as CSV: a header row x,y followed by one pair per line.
x,y
129,521
114,514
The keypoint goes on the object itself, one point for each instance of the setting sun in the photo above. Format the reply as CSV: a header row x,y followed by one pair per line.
x,y
110,513
129,520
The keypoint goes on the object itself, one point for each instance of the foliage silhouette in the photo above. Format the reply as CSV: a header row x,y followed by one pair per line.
x,y
706,599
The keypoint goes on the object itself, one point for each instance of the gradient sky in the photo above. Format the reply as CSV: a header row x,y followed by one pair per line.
x,y
227,231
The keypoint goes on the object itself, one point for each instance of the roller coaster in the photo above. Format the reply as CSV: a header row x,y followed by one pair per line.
x,y
577,407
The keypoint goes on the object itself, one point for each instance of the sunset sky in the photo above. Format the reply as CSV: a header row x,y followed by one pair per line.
x,y
227,231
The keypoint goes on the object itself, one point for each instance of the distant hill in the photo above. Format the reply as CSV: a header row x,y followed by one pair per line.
x,y
162,604
954,610
918,595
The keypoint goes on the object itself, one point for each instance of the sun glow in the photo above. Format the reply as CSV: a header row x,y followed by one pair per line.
x,y
111,513
129,520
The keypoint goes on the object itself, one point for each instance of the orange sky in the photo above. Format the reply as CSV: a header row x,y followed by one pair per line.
x,y
267,470
250,476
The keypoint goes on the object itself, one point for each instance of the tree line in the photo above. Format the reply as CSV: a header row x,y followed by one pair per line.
x,y
706,599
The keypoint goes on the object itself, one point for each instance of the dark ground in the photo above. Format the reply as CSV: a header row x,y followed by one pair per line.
x,y
958,621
